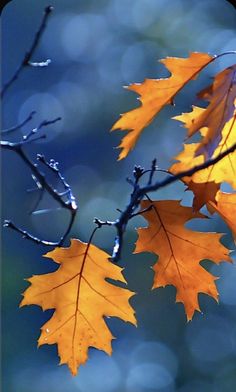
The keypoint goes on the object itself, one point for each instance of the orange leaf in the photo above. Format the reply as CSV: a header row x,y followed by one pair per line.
x,y
222,171
225,206
81,298
203,193
221,95
155,94
180,251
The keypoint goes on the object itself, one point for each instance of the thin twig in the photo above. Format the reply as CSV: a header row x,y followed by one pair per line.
x,y
26,60
188,173
142,211
18,126
37,175
41,125
153,169
17,148
101,223
140,192
26,235
69,203
40,63
53,165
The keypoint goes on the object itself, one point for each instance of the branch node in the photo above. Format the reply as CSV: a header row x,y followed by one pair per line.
x,y
48,9
6,223
138,171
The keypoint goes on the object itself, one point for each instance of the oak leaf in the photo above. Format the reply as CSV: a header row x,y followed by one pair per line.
x,y
81,298
203,193
221,94
222,171
225,206
180,251
156,93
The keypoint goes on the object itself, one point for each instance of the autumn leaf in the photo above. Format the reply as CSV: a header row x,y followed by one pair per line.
x,y
189,118
221,94
203,193
222,171
225,206
156,93
180,251
81,298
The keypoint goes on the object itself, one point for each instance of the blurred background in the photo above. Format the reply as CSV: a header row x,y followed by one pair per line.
x,y
96,47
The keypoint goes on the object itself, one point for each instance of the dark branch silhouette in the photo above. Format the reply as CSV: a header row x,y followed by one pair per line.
x,y
40,126
18,126
27,58
65,199
139,192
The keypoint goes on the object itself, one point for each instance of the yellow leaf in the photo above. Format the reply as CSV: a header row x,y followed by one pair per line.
x,y
225,206
155,94
81,298
189,118
180,251
222,171
221,94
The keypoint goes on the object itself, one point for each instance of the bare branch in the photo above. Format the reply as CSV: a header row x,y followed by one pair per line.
x,y
18,126
43,124
26,60
153,169
140,192
53,165
25,234
101,223
66,198
42,184
142,211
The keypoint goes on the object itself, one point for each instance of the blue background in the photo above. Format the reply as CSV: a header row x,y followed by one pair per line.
x,y
96,47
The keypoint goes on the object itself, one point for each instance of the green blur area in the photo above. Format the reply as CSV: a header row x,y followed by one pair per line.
x,y
96,47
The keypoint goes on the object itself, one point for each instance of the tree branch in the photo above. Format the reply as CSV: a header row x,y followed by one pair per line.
x,y
18,126
140,192
41,125
42,183
189,172
25,234
27,59
66,198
